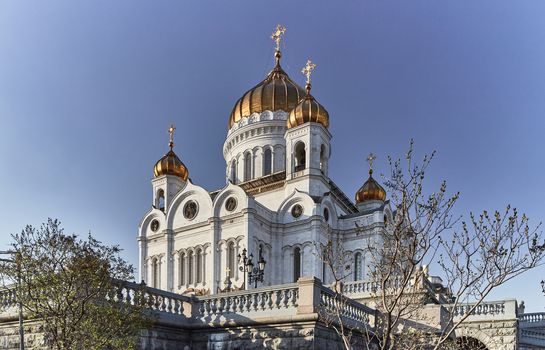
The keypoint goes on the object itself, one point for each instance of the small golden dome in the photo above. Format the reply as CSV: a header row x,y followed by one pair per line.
x,y
276,92
170,164
308,110
371,190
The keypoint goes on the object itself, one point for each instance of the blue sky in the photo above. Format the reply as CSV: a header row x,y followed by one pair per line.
x,y
88,88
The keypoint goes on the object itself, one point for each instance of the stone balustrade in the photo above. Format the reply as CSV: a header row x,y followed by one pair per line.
x,y
488,310
153,299
261,302
532,317
7,298
360,287
347,308
305,299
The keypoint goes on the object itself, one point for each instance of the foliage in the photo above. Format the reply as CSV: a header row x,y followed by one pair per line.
x,y
71,285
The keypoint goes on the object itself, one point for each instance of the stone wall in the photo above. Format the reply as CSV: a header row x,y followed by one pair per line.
x,y
9,335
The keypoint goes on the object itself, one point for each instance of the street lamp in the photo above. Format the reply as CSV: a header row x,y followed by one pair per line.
x,y
21,329
255,273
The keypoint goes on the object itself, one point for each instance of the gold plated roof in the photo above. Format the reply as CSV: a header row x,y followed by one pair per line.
x,y
371,190
170,164
276,92
308,109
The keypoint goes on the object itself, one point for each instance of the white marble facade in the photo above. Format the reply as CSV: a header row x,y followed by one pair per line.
x,y
266,178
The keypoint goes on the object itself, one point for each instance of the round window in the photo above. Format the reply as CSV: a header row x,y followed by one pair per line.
x,y
231,204
154,225
326,214
190,210
297,210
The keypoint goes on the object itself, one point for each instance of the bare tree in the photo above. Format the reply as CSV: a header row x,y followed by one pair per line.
x,y
473,258
338,262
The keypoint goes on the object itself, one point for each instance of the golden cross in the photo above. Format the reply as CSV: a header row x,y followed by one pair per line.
x,y
307,70
227,270
370,158
171,130
277,35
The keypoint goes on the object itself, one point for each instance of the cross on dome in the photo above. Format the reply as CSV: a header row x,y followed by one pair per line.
x,y
171,130
277,35
307,70
370,159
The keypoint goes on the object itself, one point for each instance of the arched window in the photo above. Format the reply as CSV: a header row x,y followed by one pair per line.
x,y
267,161
160,200
296,264
199,266
155,273
247,167
231,259
300,156
323,160
233,174
182,269
358,268
190,265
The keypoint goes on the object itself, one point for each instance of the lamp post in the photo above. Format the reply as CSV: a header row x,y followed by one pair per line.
x,y
255,273
21,329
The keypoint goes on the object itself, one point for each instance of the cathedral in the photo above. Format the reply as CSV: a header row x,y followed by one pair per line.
x,y
278,205
241,267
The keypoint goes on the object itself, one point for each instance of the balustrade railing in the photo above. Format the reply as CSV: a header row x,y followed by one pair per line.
x,y
307,297
7,298
150,298
485,309
532,317
243,302
332,303
360,287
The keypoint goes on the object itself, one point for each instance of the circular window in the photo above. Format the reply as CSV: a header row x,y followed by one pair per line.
x,y
231,204
297,210
326,214
154,225
190,210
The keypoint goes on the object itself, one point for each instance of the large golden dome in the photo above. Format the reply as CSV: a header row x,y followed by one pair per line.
x,y
308,110
170,164
371,190
276,92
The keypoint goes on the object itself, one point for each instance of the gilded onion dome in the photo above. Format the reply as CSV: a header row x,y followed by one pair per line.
x,y
308,109
170,164
276,92
371,189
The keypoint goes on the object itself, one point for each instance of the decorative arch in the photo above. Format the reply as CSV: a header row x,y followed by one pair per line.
x,y
175,216
154,214
284,210
327,203
476,336
230,190
469,343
